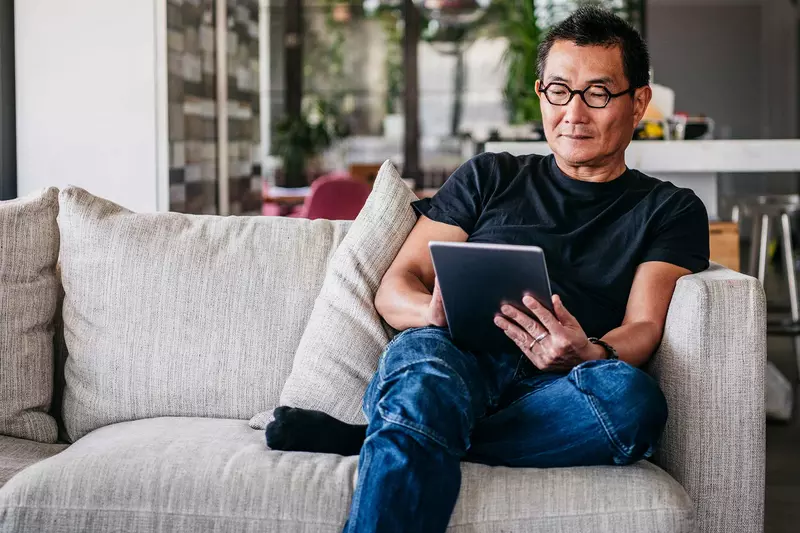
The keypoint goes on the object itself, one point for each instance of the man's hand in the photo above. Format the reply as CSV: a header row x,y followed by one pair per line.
x,y
436,316
561,343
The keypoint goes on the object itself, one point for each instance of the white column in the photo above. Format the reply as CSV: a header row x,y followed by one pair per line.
x,y
223,163
162,108
265,80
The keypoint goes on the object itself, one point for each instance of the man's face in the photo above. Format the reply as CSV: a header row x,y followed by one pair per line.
x,y
578,134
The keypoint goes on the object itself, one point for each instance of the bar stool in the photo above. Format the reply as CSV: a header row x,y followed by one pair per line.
x,y
764,210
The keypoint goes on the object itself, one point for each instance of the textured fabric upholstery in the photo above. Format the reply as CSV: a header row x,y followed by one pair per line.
x,y
711,368
339,351
18,454
186,475
180,315
28,293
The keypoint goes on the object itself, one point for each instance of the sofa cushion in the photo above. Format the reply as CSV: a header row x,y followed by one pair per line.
x,y
28,293
180,474
182,315
339,351
18,454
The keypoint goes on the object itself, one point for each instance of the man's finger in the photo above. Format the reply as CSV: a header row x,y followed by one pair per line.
x,y
523,342
539,311
514,332
564,316
523,319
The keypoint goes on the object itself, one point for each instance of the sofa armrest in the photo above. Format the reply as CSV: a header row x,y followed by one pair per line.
x,y
710,366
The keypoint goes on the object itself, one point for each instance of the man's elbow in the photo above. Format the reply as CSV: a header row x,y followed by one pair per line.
x,y
655,331
382,296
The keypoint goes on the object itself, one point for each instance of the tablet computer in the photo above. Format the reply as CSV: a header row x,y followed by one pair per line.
x,y
477,279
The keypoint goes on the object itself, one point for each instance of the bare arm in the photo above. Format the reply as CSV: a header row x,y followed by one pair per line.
x,y
641,330
405,296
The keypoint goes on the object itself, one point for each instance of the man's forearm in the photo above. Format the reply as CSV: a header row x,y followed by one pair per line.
x,y
634,342
403,300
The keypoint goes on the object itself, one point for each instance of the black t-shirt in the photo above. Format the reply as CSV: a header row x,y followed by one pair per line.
x,y
594,235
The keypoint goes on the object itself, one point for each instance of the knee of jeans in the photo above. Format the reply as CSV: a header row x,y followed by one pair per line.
x,y
627,403
400,351
426,395
415,345
430,399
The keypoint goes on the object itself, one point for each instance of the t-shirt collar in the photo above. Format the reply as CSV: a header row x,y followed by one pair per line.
x,y
616,185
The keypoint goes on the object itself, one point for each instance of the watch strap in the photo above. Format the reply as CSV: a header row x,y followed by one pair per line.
x,y
611,353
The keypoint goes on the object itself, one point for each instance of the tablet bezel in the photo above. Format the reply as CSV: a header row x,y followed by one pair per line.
x,y
465,328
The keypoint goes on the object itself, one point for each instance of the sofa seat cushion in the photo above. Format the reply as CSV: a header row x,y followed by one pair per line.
x,y
18,454
197,474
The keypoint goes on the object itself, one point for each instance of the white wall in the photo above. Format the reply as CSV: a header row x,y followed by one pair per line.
x,y
710,55
735,61
90,97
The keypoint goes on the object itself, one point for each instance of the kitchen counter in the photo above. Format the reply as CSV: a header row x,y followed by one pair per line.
x,y
693,156
693,164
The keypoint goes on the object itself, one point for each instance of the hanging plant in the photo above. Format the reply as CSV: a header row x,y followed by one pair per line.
x,y
390,15
515,20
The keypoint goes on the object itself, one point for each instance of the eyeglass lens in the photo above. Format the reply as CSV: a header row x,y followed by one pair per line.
x,y
559,94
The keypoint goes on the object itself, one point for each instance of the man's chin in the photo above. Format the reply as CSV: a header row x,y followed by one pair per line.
x,y
576,153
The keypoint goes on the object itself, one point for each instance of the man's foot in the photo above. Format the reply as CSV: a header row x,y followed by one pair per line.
x,y
302,430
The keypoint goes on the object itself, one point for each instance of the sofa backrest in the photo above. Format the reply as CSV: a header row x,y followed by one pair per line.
x,y
182,315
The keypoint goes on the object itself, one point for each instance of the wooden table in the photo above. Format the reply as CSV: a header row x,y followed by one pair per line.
x,y
285,196
724,242
284,200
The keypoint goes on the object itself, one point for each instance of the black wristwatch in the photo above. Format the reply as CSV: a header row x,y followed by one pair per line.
x,y
611,353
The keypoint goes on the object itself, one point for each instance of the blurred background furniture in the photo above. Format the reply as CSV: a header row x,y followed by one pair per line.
x,y
724,243
336,196
764,211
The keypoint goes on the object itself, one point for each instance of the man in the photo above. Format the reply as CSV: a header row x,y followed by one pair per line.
x,y
616,242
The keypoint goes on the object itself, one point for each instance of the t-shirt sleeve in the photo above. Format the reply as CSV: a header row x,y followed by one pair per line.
x,y
460,200
682,236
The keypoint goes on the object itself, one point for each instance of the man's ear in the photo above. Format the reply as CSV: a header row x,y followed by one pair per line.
x,y
538,86
641,99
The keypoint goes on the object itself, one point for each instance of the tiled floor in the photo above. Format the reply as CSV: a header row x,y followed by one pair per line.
x,y
783,455
783,440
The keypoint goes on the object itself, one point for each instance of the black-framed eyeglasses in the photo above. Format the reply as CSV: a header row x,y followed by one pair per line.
x,y
594,96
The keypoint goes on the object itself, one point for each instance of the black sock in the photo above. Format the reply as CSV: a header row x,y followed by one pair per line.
x,y
303,430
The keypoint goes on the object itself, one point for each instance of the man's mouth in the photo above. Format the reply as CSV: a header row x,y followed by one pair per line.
x,y
577,136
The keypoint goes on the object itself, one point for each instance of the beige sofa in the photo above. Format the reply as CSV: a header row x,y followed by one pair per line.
x,y
181,328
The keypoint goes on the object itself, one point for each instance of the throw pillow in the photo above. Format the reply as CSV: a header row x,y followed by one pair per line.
x,y
170,314
338,353
28,294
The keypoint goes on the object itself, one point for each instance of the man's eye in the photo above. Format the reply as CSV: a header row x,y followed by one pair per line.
x,y
597,93
558,91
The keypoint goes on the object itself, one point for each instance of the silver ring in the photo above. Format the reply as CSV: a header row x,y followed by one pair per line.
x,y
536,339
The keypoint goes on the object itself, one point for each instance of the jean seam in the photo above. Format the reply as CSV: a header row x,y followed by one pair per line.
x,y
417,428
356,502
386,377
603,423
395,339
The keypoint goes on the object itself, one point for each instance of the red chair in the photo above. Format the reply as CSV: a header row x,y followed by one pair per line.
x,y
334,197
268,209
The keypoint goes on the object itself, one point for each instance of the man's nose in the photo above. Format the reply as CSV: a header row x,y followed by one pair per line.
x,y
577,112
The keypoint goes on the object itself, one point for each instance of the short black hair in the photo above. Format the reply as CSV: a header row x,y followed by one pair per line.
x,y
592,25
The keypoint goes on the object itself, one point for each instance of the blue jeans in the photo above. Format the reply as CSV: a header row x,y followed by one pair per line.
x,y
432,405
